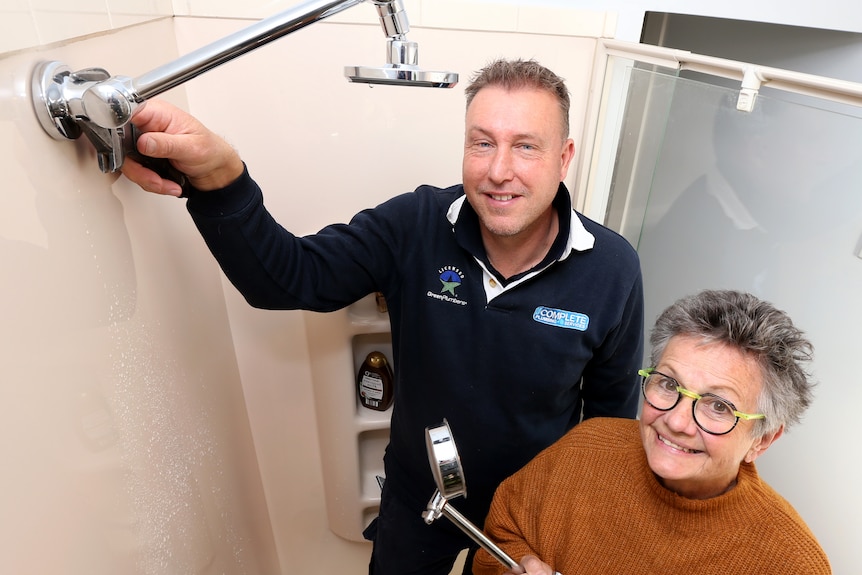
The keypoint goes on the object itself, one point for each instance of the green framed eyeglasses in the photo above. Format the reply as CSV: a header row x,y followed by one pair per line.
x,y
713,414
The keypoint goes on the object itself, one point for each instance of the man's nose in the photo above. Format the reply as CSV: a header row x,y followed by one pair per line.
x,y
501,168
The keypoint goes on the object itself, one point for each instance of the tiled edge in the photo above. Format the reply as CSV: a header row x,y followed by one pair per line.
x,y
485,16
475,15
45,27
129,12
56,25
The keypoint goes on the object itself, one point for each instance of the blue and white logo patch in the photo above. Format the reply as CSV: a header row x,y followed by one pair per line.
x,y
451,279
561,318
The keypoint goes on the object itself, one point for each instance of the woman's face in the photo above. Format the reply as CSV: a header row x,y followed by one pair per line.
x,y
686,459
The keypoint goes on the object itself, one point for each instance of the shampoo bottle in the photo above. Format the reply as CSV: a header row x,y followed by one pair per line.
x,y
374,382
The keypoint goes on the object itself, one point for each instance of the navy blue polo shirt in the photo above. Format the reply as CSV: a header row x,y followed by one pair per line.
x,y
512,365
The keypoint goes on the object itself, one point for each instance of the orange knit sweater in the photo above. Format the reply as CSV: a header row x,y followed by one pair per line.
x,y
590,504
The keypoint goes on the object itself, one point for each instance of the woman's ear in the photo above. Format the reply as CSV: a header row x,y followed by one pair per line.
x,y
762,444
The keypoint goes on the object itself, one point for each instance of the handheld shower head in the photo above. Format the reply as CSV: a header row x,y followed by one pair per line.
x,y
449,477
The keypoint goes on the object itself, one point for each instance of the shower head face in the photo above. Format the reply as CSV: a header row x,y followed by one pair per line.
x,y
445,461
400,75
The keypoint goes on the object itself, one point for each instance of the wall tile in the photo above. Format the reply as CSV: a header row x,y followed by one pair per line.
x,y
466,15
560,21
128,12
263,8
511,17
17,27
27,24
232,8
58,20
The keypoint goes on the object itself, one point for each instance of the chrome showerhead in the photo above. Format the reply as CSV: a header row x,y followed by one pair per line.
x,y
400,75
401,69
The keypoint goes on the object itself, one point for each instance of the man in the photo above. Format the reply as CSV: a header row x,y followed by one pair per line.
x,y
512,316
677,492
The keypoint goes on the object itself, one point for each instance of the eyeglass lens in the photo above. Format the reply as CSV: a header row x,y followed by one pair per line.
x,y
711,412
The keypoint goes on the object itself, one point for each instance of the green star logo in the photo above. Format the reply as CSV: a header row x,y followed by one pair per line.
x,y
450,279
450,287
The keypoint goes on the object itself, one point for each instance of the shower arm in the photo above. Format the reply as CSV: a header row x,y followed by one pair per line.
x,y
93,103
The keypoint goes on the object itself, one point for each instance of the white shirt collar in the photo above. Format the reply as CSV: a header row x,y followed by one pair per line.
x,y
579,238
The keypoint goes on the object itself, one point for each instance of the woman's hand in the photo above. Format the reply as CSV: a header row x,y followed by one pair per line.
x,y
532,565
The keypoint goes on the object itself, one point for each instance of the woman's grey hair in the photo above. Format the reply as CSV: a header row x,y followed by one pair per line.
x,y
757,329
515,74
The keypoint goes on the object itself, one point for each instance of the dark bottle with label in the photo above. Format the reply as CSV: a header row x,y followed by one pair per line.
x,y
374,382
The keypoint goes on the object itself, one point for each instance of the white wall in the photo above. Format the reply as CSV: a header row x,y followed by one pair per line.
x,y
124,436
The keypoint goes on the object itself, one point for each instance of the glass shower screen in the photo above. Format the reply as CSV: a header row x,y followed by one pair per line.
x,y
770,202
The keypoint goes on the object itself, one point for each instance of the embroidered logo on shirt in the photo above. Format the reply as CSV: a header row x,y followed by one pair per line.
x,y
450,278
561,318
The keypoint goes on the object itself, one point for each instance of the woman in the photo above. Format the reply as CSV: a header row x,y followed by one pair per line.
x,y
678,491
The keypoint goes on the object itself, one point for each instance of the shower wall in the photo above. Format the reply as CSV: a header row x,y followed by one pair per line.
x,y
126,446
154,423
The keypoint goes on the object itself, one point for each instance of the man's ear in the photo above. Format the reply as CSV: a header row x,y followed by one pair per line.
x,y
762,444
568,152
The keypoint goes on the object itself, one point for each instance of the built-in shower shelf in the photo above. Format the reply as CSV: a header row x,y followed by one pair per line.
x,y
353,438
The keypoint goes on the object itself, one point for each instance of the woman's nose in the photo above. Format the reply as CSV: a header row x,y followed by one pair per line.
x,y
681,417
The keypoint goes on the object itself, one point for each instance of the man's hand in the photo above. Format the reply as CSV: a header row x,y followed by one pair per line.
x,y
206,159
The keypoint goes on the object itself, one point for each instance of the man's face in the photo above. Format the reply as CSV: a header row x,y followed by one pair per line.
x,y
515,156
